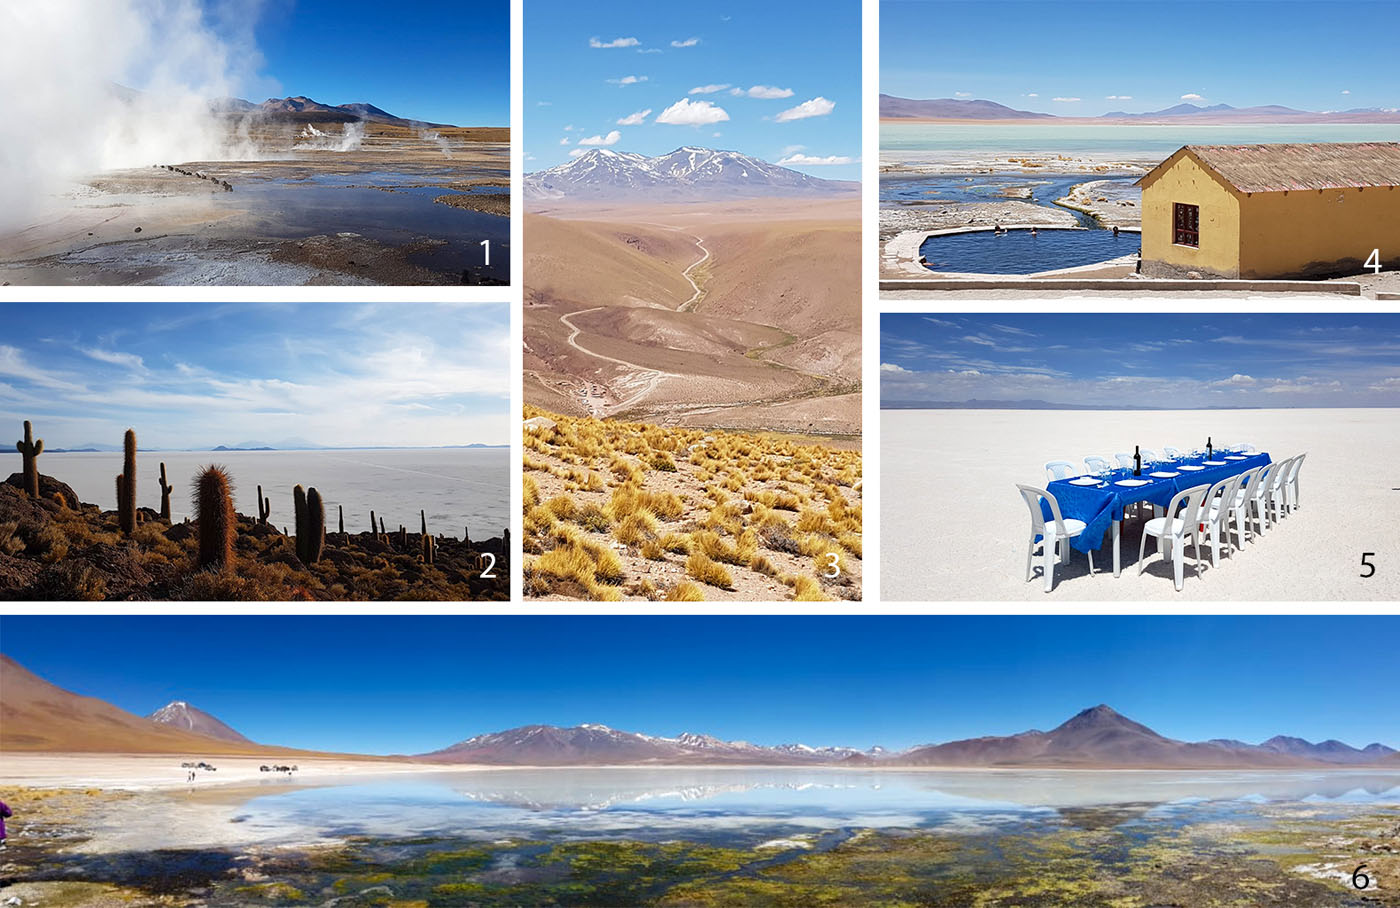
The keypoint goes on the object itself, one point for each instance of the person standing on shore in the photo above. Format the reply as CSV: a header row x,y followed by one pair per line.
x,y
5,814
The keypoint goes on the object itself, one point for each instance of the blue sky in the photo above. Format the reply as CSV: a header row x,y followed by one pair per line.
x,y
1078,58
443,61
1153,360
777,82
196,375
410,684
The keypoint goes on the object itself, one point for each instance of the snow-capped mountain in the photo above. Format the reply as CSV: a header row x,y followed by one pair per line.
x,y
686,174
180,714
549,745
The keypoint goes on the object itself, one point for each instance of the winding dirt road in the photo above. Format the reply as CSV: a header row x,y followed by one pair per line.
x,y
651,377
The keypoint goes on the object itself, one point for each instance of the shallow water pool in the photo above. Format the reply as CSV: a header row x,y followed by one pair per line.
x,y
1020,252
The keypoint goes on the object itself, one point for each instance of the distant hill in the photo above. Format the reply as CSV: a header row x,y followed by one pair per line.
x,y
686,174
893,108
301,109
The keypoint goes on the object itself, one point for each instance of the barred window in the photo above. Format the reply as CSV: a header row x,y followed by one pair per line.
x,y
1186,223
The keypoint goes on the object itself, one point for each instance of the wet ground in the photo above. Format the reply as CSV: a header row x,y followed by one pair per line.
x,y
393,211
1203,854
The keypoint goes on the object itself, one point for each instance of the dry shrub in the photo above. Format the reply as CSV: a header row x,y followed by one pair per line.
x,y
636,528
699,566
685,591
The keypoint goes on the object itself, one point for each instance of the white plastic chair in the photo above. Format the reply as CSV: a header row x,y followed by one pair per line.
x,y
1148,456
1095,463
1215,514
1124,460
1260,494
1059,469
1054,533
1246,449
1278,495
1173,453
1240,507
1290,483
1172,532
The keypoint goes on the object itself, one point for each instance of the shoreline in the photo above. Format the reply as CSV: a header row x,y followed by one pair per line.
x,y
146,772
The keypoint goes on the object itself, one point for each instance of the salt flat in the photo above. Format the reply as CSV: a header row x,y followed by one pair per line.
x,y
954,527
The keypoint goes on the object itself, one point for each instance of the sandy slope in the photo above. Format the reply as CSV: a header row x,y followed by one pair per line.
x,y
674,312
954,527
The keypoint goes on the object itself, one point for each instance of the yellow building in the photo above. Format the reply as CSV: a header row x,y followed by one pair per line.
x,y
1272,211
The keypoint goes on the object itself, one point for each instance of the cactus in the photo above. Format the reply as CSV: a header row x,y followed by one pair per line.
x,y
429,548
264,507
213,503
382,532
30,449
119,492
373,530
467,537
403,538
341,509
126,501
315,544
165,490
299,518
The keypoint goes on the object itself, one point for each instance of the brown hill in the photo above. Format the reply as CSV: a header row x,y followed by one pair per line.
x,y
38,716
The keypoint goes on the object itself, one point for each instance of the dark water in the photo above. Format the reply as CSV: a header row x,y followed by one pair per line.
x,y
1045,189
391,208
1018,252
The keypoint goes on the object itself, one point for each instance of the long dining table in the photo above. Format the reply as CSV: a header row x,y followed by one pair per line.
x,y
1101,500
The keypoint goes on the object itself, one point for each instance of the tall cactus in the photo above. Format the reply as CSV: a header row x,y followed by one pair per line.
x,y
126,501
30,448
427,541
165,490
373,530
299,519
121,490
213,505
264,507
341,509
315,528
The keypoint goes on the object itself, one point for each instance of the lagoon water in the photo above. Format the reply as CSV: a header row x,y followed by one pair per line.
x,y
457,487
920,141
750,803
1018,252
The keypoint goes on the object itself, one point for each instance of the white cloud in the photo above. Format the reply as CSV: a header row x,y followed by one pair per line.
x,y
1192,97
1346,91
649,50
688,42
575,152
615,42
767,92
817,107
129,360
891,367
544,103
564,141
1033,95
790,149
806,160
1067,100
635,119
1118,97
686,112
628,80
962,94
609,139
707,89
1237,381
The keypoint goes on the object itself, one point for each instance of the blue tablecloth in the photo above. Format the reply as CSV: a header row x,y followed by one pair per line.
x,y
1099,507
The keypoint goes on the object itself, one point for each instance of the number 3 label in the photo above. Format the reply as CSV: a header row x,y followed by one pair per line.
x,y
835,566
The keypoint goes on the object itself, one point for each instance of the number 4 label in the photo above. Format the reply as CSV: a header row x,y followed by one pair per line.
x,y
1374,261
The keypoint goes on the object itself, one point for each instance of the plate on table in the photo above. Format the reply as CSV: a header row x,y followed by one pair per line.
x,y
1235,457
1084,481
1132,483
1214,463
1187,466
1162,474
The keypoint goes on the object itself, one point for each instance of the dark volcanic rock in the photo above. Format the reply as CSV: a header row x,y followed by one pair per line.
x,y
47,487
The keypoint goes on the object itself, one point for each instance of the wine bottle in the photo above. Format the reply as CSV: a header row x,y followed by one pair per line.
x,y
1137,461
1210,452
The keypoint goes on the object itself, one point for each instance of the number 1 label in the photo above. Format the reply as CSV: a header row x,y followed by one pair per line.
x,y
486,244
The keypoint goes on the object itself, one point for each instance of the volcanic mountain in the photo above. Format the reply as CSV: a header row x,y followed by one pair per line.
x,y
1100,737
595,745
179,714
685,175
38,716
893,108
